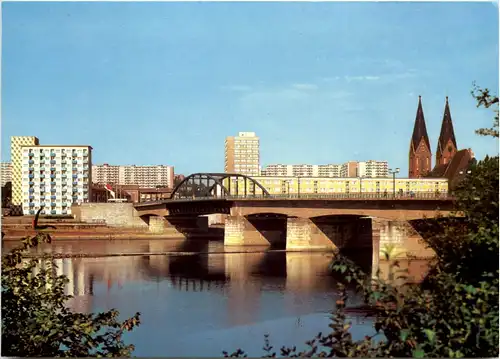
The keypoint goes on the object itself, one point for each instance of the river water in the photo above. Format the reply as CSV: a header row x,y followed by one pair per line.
x,y
208,299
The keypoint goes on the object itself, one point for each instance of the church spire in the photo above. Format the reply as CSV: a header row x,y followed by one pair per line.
x,y
419,129
447,144
420,148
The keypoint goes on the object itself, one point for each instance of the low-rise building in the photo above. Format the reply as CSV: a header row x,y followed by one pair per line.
x,y
281,185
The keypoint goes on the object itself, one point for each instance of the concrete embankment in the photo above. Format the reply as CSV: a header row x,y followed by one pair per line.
x,y
67,229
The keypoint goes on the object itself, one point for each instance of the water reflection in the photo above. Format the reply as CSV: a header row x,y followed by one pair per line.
x,y
214,299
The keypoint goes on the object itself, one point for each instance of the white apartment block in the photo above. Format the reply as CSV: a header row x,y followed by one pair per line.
x,y
330,170
373,169
5,173
54,177
143,176
242,154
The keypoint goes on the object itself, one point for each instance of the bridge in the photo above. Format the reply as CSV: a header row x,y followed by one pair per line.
x,y
299,221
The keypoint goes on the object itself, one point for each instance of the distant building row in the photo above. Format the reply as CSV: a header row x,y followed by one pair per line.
x,y
143,176
242,155
373,169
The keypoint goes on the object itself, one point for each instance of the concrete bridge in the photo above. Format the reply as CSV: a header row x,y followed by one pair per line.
x,y
314,222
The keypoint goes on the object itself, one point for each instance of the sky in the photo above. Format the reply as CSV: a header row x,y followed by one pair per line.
x,y
165,83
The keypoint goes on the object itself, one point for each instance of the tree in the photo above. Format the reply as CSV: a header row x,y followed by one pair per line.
x,y
6,194
454,312
36,321
485,99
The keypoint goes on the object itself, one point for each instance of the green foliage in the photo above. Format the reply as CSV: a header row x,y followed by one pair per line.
x,y
454,311
485,99
36,321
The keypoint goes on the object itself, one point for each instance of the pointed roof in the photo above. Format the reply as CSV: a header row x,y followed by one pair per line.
x,y
447,132
420,130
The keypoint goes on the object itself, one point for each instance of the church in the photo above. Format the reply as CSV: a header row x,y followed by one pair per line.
x,y
450,162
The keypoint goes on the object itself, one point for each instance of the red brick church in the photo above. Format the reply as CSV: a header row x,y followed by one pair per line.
x,y
450,163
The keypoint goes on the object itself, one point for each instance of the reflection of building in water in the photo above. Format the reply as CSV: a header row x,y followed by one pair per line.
x,y
79,285
244,291
306,272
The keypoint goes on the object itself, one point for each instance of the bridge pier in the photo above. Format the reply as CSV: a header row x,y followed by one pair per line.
x,y
399,240
178,227
240,231
304,234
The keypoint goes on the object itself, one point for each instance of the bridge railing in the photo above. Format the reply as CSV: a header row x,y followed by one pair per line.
x,y
326,196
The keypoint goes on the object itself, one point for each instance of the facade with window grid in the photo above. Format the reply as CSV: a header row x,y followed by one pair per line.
x,y
54,177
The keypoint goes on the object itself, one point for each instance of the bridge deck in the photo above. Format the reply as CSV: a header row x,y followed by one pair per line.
x,y
305,197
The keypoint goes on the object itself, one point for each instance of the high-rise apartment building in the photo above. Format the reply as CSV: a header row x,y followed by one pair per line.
x,y
54,177
242,154
349,169
16,143
143,176
6,173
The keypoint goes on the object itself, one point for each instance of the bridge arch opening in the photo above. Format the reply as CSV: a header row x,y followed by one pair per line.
x,y
351,234
272,226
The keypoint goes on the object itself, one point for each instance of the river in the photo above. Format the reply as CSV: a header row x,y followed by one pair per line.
x,y
208,299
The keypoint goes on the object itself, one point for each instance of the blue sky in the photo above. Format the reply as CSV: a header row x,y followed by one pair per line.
x,y
165,83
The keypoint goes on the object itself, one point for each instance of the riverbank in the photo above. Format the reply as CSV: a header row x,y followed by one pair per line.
x,y
14,229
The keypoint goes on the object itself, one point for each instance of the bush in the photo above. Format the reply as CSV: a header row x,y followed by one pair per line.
x,y
36,322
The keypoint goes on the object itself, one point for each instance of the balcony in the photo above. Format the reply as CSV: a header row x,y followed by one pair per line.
x,y
64,204
52,176
52,183
52,162
42,176
32,205
42,204
53,211
64,212
75,176
53,204
52,197
31,183
63,162
31,154
31,190
64,176
75,190
52,168
31,162
31,197
75,183
74,162
52,154
53,190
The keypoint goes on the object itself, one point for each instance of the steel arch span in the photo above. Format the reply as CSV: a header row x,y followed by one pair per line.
x,y
218,185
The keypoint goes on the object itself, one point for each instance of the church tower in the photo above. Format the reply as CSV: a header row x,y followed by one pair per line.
x,y
447,145
420,148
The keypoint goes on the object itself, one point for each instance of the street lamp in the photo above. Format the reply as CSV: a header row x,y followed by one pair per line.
x,y
394,180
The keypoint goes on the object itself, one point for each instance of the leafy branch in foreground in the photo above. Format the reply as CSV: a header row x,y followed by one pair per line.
x,y
36,321
485,99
